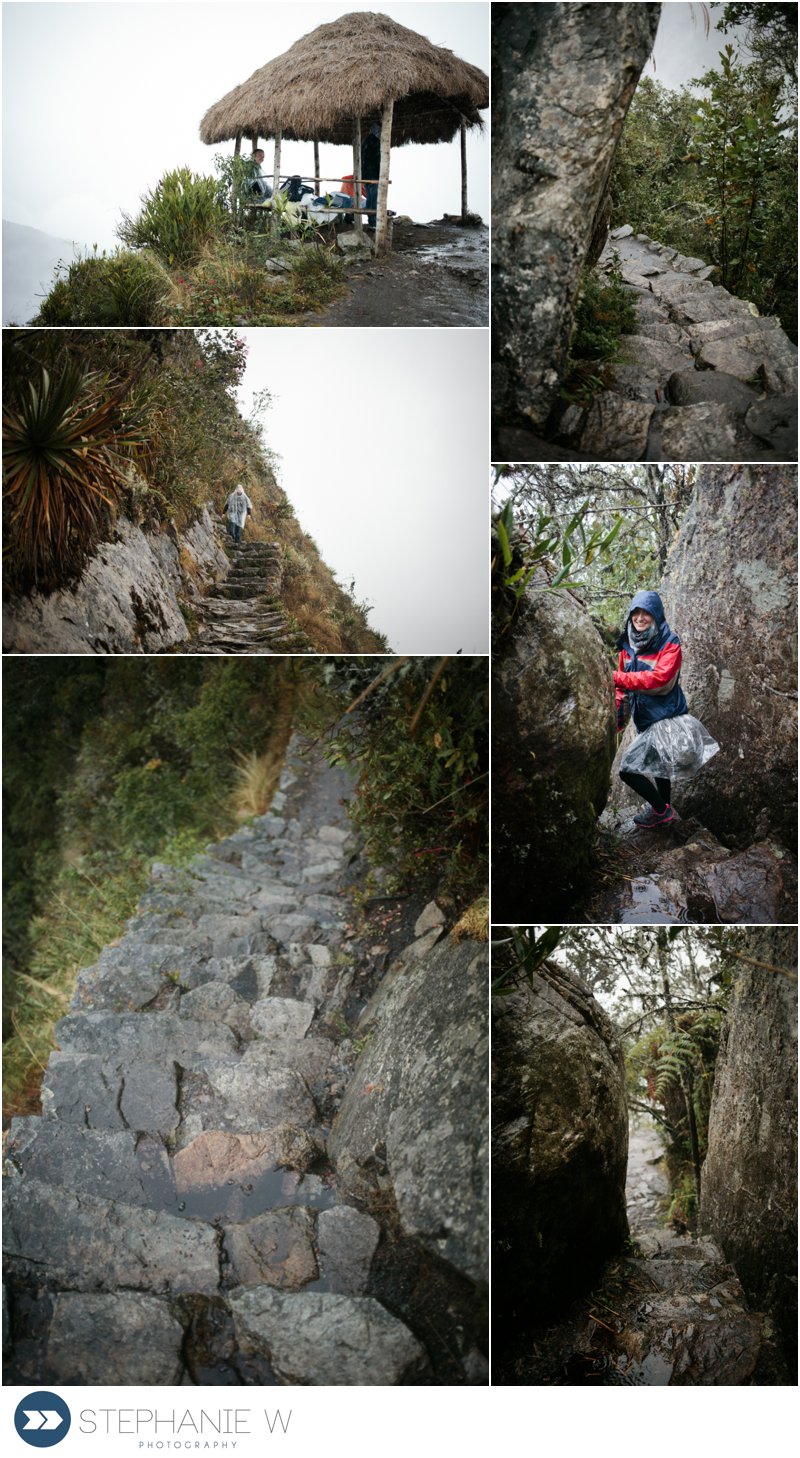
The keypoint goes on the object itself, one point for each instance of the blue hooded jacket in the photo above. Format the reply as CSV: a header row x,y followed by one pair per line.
x,y
650,679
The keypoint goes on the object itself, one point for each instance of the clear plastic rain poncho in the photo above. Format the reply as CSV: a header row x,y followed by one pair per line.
x,y
669,748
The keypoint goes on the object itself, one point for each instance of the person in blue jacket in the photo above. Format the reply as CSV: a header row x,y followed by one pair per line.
x,y
647,680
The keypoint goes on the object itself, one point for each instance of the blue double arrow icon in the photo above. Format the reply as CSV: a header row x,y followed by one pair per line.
x,y
42,1419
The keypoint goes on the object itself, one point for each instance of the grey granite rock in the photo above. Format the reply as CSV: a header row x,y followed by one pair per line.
x,y
319,1340
84,1243
420,1091
150,1035
346,1240
121,1339
281,1017
692,387
550,165
616,427
109,1164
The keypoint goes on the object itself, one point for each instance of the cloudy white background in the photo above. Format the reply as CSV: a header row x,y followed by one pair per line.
x,y
383,435
101,99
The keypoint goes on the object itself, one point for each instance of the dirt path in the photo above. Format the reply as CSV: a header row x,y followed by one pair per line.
x,y
436,277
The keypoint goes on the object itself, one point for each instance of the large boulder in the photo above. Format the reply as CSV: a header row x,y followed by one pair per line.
x,y
730,591
552,747
415,1116
563,77
559,1146
749,1185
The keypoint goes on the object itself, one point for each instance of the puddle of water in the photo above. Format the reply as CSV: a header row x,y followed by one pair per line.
x,y
242,1200
653,1371
651,904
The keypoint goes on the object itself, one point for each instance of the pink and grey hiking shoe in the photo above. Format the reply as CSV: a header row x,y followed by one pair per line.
x,y
651,820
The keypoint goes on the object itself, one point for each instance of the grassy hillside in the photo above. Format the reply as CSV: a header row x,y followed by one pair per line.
x,y
145,422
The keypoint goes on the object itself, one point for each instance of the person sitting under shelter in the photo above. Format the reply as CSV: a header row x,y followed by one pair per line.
x,y
258,182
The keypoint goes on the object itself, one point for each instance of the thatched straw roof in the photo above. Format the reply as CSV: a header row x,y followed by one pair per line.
x,y
350,68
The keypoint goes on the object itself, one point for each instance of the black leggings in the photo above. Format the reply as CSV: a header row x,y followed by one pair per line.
x,y
658,796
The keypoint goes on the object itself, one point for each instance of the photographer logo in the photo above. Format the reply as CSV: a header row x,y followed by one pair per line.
x,y
42,1419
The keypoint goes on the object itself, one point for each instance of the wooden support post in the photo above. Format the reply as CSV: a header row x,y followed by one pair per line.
x,y
464,208
276,181
235,198
357,218
316,167
382,221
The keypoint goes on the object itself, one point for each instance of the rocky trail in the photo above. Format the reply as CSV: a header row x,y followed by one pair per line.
x,y
262,1150
704,377
669,1312
243,612
684,874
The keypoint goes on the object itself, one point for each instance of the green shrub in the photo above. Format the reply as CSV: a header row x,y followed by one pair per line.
x,y
108,289
177,219
604,313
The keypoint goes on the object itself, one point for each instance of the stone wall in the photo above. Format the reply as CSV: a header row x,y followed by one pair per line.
x,y
730,590
749,1188
563,77
127,599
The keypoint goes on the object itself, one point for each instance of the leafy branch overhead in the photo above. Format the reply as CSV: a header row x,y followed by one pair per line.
x,y
560,551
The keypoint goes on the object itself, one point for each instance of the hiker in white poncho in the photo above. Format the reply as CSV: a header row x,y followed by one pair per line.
x,y
237,509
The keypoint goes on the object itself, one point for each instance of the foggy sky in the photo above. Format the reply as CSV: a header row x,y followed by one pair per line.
x,y
393,492
682,49
101,99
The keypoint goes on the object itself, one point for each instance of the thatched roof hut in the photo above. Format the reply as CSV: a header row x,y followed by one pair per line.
x,y
360,69
352,67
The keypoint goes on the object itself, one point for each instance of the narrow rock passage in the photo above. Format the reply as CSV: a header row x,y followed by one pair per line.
x,y
174,1215
704,377
244,613
680,1316
668,1312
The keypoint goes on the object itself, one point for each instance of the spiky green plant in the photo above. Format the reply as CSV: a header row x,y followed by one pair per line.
x,y
65,444
180,215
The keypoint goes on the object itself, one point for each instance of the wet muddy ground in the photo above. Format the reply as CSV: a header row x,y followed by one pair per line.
x,y
437,276
683,875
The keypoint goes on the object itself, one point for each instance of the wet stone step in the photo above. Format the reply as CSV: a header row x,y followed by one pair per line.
x,y
318,1339
239,1096
90,1244
96,1093
112,1165
142,1035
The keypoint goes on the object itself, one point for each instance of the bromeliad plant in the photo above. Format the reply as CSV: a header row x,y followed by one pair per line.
x,y
178,217
66,441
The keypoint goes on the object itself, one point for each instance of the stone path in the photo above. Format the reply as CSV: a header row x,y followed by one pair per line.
x,y
681,1318
174,1216
704,377
243,613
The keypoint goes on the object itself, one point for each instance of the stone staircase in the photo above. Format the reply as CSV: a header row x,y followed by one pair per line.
x,y
173,1216
704,377
243,613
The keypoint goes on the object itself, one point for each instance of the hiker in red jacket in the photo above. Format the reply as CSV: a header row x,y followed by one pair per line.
x,y
647,681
